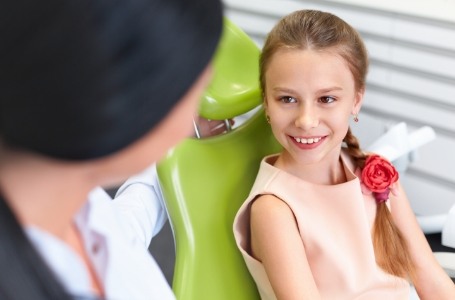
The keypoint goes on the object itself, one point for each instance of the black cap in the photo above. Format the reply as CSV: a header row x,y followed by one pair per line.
x,y
81,79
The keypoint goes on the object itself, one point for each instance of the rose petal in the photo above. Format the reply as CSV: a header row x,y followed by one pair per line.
x,y
378,174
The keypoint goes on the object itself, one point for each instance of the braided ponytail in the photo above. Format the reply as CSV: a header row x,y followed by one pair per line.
x,y
390,248
354,150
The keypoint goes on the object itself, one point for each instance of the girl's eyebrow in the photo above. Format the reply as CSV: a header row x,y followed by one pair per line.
x,y
282,89
330,89
320,91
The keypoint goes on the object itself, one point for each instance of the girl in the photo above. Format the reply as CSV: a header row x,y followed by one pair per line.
x,y
325,220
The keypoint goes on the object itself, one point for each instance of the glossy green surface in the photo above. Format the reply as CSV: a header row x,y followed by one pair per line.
x,y
234,89
204,183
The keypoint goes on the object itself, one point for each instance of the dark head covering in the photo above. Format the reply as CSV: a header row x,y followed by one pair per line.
x,y
80,79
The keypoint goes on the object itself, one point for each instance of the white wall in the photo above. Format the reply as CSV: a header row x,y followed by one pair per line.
x,y
411,78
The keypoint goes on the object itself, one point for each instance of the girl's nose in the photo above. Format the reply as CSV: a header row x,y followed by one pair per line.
x,y
307,118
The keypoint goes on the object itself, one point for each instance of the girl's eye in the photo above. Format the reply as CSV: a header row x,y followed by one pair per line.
x,y
288,99
327,99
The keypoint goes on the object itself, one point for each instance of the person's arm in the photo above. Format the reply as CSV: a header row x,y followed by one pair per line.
x,y
431,282
276,242
140,203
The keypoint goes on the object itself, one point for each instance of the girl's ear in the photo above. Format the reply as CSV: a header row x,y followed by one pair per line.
x,y
358,100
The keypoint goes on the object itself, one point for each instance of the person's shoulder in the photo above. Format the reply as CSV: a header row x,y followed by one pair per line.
x,y
270,206
270,217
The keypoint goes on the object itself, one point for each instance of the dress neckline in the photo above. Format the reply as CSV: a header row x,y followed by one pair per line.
x,y
344,158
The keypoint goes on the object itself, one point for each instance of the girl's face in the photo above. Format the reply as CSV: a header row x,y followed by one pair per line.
x,y
310,97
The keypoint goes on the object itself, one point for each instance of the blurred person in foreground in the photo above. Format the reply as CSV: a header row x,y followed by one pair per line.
x,y
92,92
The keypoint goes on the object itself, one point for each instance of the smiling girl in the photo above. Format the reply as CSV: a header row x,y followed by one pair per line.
x,y
324,220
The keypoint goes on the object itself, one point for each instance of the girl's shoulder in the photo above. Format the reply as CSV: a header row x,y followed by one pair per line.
x,y
268,202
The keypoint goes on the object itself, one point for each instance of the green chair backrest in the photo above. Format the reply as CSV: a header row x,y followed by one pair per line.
x,y
204,181
234,88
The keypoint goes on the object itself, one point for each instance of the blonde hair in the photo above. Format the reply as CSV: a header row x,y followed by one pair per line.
x,y
322,31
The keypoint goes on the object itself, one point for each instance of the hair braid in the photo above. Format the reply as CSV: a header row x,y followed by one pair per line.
x,y
390,247
354,150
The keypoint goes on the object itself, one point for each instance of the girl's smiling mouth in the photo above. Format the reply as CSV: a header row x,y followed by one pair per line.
x,y
308,142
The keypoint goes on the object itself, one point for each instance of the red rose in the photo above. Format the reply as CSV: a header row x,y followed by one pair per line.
x,y
377,175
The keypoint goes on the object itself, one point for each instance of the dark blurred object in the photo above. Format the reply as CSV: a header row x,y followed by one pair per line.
x,y
434,240
87,78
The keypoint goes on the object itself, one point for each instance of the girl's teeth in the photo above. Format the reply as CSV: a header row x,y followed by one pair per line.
x,y
307,141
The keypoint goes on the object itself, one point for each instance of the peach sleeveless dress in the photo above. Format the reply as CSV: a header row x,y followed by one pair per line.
x,y
335,225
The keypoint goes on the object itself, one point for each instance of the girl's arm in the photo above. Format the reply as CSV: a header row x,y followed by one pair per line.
x,y
431,280
276,242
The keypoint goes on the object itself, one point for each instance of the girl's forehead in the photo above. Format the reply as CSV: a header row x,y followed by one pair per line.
x,y
302,55
308,66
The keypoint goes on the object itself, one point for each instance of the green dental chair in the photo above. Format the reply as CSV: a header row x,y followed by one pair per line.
x,y
204,181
